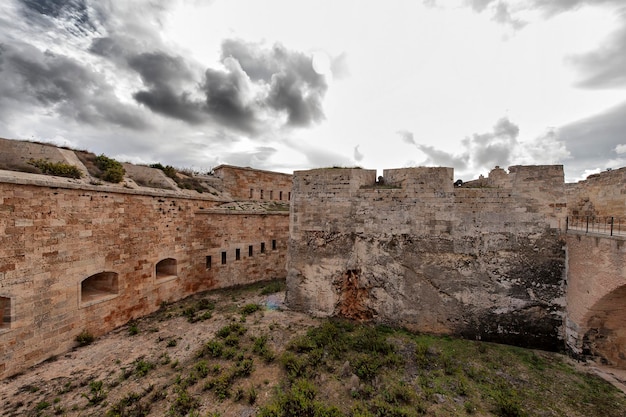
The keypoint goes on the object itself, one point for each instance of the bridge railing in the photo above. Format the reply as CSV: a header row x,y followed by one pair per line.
x,y
608,225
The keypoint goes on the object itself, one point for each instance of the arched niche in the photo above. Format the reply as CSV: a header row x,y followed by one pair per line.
x,y
166,269
606,328
99,287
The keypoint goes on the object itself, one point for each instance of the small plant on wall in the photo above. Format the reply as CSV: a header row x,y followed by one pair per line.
x,y
112,171
60,169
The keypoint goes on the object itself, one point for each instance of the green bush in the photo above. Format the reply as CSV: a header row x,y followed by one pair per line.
x,y
84,338
249,309
112,171
59,169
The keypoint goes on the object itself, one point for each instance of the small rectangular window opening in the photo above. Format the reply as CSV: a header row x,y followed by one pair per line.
x,y
280,195
271,194
251,193
250,250
5,313
223,258
237,254
208,262
289,198
261,194
273,244
262,247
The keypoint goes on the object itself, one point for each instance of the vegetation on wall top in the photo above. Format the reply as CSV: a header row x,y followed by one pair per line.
x,y
112,171
102,167
183,178
60,169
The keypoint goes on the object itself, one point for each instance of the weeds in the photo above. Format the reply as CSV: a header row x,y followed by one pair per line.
x,y
249,309
142,367
84,338
183,404
96,393
60,169
129,406
273,287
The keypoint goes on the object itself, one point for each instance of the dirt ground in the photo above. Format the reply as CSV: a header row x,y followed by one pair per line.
x,y
62,385
167,345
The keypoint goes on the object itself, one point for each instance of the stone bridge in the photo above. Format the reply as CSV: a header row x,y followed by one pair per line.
x,y
596,296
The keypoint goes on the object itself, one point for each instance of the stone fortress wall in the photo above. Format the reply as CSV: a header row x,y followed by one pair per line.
x,y
484,261
493,259
76,256
489,260
596,293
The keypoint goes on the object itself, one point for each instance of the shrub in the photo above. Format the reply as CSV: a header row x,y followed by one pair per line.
x,y
249,309
59,169
143,367
183,404
234,328
96,394
273,287
112,171
84,338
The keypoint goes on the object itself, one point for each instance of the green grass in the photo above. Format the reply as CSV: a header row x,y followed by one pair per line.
x,y
59,169
336,368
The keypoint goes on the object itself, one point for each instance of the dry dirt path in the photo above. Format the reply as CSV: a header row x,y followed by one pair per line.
x,y
168,340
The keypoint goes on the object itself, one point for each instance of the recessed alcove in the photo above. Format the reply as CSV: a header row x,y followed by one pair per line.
x,y
166,270
99,287
5,313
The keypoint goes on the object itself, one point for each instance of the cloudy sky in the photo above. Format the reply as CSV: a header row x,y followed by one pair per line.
x,y
286,85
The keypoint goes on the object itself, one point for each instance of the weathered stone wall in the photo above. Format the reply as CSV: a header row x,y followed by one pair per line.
x,y
602,194
415,251
596,297
75,257
254,184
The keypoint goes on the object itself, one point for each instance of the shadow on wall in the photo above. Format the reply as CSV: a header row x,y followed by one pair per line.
x,y
606,324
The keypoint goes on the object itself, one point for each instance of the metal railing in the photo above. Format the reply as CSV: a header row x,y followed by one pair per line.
x,y
612,226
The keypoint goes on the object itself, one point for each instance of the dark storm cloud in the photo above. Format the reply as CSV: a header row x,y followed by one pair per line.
x,y
592,141
60,84
606,66
496,147
480,151
257,157
255,86
163,75
441,158
73,15
294,87
226,97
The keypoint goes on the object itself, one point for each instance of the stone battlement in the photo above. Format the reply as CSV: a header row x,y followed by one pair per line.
x,y
84,255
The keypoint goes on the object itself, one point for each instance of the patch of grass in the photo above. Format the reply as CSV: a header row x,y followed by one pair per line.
x,y
184,179
142,367
249,309
234,329
42,405
59,169
111,170
84,338
183,404
96,393
261,348
133,329
129,406
273,287
298,400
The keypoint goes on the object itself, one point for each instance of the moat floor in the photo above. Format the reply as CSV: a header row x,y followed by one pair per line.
x,y
139,369
63,385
